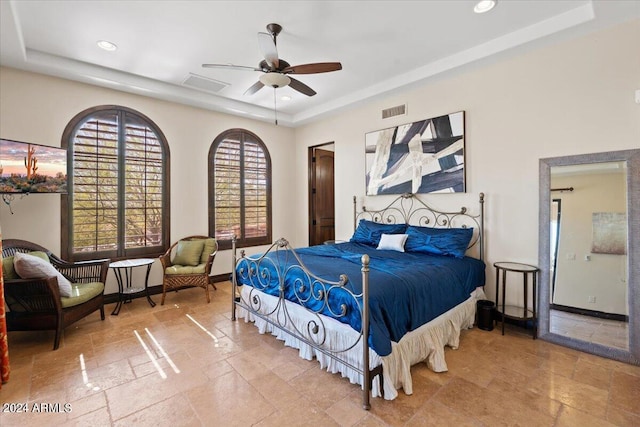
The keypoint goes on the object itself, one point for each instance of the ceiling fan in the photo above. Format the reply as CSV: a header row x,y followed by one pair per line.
x,y
277,71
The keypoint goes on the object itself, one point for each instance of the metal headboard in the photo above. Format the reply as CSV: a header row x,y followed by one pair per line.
x,y
409,209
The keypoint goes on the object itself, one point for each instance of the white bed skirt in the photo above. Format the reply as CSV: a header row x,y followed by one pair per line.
x,y
423,344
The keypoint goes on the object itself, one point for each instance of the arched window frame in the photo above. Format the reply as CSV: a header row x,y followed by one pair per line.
x,y
125,115
242,240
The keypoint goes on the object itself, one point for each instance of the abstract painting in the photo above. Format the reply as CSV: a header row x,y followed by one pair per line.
x,y
419,157
609,233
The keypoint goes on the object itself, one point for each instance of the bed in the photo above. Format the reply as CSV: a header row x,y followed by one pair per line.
x,y
396,294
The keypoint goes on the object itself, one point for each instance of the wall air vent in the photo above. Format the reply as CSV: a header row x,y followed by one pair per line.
x,y
394,111
204,83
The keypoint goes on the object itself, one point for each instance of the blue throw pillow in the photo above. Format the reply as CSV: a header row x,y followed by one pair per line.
x,y
369,232
439,241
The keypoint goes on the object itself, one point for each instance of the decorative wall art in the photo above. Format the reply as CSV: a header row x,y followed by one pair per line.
x,y
609,233
419,157
32,168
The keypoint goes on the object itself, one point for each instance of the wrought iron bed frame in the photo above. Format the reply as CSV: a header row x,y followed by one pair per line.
x,y
406,208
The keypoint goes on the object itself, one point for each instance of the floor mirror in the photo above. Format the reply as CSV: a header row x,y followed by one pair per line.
x,y
589,253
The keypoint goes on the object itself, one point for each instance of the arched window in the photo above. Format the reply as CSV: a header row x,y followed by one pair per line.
x,y
239,189
118,201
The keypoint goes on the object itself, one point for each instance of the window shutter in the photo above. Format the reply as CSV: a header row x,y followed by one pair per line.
x,y
142,187
240,198
118,194
255,191
95,185
227,179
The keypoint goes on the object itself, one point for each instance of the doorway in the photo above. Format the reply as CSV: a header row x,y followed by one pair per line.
x,y
321,194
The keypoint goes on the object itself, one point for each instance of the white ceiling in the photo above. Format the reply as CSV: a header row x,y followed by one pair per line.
x,y
382,45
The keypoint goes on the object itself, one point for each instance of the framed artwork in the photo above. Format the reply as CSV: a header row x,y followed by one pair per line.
x,y
609,233
419,157
32,168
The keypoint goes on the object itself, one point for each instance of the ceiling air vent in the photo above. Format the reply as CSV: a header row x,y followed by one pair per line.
x,y
204,83
394,111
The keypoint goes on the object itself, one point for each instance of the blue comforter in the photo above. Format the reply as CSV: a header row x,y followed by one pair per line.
x,y
406,290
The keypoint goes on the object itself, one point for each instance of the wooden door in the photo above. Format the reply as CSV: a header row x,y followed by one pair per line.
x,y
321,197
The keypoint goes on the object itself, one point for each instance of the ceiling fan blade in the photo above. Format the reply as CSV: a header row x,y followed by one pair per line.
x,y
301,87
254,88
319,67
231,66
267,44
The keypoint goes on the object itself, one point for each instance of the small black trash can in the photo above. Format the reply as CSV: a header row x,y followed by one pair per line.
x,y
484,312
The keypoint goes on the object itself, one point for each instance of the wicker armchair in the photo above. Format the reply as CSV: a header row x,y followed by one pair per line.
x,y
180,272
36,304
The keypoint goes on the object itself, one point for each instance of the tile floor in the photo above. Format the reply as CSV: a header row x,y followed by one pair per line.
x,y
187,364
612,333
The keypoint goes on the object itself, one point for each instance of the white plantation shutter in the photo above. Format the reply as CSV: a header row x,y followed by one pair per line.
x,y
240,189
118,196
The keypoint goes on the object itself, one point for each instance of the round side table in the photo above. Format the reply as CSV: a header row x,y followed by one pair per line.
x,y
125,290
514,311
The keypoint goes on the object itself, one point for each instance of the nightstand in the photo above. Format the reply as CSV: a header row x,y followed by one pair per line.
x,y
516,312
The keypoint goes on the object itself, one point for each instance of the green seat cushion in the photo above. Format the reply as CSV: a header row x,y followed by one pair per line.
x,y
82,292
9,271
185,269
209,247
188,252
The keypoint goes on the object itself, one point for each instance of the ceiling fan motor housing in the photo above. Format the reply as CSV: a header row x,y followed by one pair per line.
x,y
274,29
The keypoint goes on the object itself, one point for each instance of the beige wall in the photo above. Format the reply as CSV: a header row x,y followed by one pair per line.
x,y
571,98
35,108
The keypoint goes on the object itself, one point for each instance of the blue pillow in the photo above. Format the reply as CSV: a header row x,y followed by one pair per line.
x,y
439,241
369,232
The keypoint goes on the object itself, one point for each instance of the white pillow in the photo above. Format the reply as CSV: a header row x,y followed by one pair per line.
x,y
31,267
393,242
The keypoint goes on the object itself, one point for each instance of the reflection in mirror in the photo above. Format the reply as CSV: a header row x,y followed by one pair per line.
x,y
589,253
588,240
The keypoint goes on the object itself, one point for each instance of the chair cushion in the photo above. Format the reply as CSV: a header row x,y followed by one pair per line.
x,y
9,271
185,269
32,267
188,252
209,247
81,293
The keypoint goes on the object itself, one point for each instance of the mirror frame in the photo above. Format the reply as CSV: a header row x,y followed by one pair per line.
x,y
632,157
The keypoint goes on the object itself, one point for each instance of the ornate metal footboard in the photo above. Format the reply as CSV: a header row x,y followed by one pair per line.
x,y
280,265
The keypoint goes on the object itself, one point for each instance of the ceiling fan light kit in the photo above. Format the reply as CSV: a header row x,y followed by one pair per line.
x,y
274,80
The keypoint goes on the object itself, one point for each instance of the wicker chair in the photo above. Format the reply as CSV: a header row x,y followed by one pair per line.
x,y
36,304
177,275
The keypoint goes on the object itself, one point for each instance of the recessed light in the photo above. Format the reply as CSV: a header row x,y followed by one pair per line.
x,y
285,98
484,6
107,45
